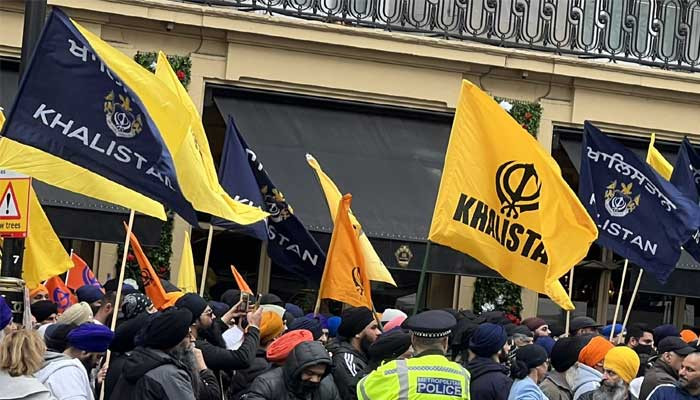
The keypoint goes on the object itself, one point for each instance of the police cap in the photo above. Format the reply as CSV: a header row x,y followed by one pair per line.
x,y
431,324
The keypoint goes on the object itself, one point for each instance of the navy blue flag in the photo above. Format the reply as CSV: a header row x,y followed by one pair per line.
x,y
74,105
640,215
243,177
686,177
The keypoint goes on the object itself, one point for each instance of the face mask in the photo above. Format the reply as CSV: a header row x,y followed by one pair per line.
x,y
309,387
644,349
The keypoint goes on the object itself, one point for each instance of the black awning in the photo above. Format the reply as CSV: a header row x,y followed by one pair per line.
x,y
679,282
390,160
570,140
74,216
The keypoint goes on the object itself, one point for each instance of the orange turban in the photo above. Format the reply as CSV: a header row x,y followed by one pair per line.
x,y
280,348
688,335
594,352
270,327
39,289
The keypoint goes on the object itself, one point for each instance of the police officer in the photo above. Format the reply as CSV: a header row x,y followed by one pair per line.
x,y
429,374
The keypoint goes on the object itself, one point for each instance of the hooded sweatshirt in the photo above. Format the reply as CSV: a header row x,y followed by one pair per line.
x,y
65,377
22,388
285,383
489,379
587,379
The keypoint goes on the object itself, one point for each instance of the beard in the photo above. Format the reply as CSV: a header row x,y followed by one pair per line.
x,y
184,354
364,344
611,391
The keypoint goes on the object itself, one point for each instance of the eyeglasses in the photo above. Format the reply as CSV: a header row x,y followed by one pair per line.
x,y
208,313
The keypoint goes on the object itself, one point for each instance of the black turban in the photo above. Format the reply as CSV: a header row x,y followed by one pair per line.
x,y
390,345
565,352
43,309
355,319
310,324
56,337
193,302
167,329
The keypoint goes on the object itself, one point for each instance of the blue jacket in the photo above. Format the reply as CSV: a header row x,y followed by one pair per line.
x,y
670,392
587,379
489,380
525,389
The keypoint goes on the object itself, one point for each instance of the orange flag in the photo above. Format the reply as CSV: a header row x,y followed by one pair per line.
x,y
81,274
345,274
60,294
242,284
151,281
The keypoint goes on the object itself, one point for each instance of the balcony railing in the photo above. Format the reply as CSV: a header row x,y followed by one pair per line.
x,y
662,33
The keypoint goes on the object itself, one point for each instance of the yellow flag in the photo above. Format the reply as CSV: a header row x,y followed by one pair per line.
x,y
193,161
344,276
657,161
186,280
502,200
44,255
2,119
376,270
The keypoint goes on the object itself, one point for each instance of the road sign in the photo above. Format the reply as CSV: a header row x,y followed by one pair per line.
x,y
14,204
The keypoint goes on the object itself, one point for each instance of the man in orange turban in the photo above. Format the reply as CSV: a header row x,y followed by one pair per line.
x,y
39,293
590,365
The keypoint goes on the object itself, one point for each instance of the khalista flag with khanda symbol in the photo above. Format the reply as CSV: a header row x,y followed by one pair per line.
x,y
502,200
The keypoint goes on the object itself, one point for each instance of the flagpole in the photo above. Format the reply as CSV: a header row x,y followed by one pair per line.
x,y
206,260
117,299
421,281
634,296
571,290
619,299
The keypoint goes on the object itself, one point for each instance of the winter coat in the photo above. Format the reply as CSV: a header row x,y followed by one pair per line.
x,y
489,379
242,380
153,374
587,379
22,388
555,387
65,377
669,392
209,388
525,389
659,374
348,368
283,383
219,358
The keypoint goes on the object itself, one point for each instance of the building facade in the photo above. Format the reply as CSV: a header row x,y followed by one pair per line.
x,y
302,75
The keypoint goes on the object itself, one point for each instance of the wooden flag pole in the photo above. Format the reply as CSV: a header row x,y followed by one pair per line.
x,y
206,260
619,299
421,281
571,290
117,299
634,296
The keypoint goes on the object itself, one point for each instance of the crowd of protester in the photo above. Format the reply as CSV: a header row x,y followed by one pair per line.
x,y
275,351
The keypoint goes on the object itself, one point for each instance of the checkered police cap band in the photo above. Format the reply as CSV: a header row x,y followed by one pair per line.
x,y
432,334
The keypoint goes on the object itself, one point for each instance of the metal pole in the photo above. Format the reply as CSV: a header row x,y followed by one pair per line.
x,y
421,281
571,290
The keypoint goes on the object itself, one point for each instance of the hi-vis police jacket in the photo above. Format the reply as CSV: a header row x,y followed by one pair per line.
x,y
430,376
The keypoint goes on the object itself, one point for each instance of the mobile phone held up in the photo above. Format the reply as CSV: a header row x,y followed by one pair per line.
x,y
244,302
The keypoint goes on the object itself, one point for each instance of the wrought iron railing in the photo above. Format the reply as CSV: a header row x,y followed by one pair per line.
x,y
663,33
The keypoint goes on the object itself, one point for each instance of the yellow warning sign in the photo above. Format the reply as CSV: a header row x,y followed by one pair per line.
x,y
14,204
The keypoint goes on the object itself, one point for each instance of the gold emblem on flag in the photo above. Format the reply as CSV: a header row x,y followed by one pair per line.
x,y
620,201
120,116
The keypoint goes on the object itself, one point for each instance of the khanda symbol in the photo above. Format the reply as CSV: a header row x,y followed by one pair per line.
x,y
61,298
357,280
518,188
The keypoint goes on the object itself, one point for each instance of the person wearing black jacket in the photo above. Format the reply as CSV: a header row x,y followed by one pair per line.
x,y
159,369
305,375
489,378
359,330
664,370
217,358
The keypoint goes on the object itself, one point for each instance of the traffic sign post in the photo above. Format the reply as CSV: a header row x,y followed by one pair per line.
x,y
14,220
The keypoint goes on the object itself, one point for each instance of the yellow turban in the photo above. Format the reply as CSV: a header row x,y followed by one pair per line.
x,y
271,326
623,361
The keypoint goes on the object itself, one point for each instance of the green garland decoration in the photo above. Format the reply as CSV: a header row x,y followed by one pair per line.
x,y
497,294
182,65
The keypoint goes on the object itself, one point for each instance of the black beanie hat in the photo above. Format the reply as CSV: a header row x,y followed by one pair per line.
x,y
43,309
355,319
56,337
231,297
193,302
167,329
565,352
526,358
270,298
